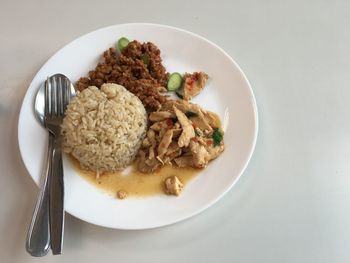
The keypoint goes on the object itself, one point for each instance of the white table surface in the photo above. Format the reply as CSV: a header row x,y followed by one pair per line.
x,y
293,202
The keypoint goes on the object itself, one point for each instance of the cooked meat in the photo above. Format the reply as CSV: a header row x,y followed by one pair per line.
x,y
195,112
151,153
160,115
146,142
129,70
146,165
157,126
173,147
193,84
212,119
151,135
173,186
180,134
141,162
153,164
161,133
187,128
215,151
121,194
201,123
182,105
173,151
199,154
184,161
165,142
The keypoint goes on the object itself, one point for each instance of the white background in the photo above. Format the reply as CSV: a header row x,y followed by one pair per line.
x,y
292,204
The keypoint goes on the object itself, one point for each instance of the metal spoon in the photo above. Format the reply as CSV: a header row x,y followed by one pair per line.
x,y
38,237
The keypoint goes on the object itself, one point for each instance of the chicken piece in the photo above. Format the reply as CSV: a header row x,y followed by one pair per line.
x,y
215,151
173,186
141,161
201,123
173,151
200,155
165,160
213,119
169,105
157,126
160,115
165,142
182,105
193,84
161,134
151,165
146,165
187,128
184,161
121,194
174,155
146,143
151,153
173,147
202,140
151,135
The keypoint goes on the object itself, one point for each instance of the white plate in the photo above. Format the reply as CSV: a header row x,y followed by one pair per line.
x,y
227,92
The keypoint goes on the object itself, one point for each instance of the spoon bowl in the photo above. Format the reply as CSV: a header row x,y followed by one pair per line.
x,y
39,103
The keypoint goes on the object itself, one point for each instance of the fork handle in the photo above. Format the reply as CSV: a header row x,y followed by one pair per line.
x,y
56,199
38,237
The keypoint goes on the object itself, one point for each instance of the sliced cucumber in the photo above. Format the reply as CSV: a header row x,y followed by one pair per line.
x,y
174,82
123,43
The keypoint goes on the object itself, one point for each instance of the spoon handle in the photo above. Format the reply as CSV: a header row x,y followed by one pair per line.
x,y
56,206
38,237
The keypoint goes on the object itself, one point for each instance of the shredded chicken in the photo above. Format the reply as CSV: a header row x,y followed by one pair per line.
x,y
200,155
160,115
165,142
173,186
184,161
187,128
193,84
212,119
181,134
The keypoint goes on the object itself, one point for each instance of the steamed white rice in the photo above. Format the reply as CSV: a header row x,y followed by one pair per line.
x,y
103,129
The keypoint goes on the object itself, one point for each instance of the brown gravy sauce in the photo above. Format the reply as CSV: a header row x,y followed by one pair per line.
x,y
135,183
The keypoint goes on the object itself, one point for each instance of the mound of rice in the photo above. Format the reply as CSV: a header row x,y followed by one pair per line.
x,y
104,128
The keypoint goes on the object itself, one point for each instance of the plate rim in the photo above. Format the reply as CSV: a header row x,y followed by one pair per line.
x,y
196,211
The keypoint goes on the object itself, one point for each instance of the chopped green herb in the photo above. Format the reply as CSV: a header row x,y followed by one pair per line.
x,y
145,58
174,120
179,95
217,136
190,114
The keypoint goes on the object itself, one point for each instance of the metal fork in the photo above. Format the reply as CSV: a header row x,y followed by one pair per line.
x,y
57,97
